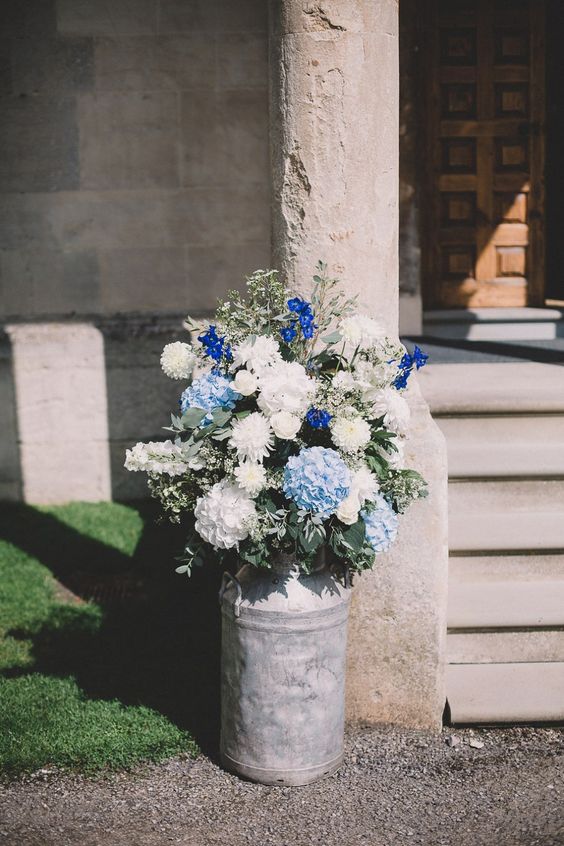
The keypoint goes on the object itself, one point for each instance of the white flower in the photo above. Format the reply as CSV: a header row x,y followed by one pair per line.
x,y
344,379
178,360
371,377
285,425
251,477
364,485
393,407
257,353
252,437
361,331
224,515
156,457
350,433
245,382
396,458
285,387
347,512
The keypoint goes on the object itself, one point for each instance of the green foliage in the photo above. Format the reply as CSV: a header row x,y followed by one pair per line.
x,y
401,487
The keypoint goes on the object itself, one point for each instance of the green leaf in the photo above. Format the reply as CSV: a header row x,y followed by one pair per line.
x,y
355,535
192,417
221,416
332,338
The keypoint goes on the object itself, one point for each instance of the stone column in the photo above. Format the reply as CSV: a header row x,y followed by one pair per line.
x,y
334,155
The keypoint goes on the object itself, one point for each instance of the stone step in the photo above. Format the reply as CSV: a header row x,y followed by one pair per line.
x,y
489,446
506,693
504,647
505,603
499,388
506,515
495,324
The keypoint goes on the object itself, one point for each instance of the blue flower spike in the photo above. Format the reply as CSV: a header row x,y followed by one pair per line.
x,y
318,418
214,346
419,357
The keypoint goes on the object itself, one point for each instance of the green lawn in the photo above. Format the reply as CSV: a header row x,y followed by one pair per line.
x,y
92,684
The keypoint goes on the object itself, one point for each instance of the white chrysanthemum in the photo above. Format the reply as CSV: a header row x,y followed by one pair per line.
x,y
348,510
256,354
178,360
344,380
361,331
224,515
394,408
285,425
245,382
285,387
251,477
350,433
252,437
156,457
364,485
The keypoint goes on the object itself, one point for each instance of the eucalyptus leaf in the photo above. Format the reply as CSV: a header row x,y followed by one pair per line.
x,y
192,417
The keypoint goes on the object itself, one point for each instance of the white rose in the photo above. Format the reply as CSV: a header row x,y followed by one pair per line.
x,y
178,360
285,425
347,512
390,405
350,433
245,383
285,387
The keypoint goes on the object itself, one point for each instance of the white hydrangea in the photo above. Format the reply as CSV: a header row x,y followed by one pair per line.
x,y
224,516
245,382
156,457
350,433
285,387
256,353
388,403
364,485
252,437
251,477
285,425
361,331
178,360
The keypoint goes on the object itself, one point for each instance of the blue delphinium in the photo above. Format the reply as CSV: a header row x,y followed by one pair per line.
x,y
406,365
381,524
318,418
304,316
214,345
212,390
317,479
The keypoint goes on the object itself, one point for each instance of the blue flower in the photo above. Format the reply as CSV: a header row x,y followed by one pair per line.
x,y
317,479
401,380
318,418
208,392
288,333
419,357
298,305
214,346
381,524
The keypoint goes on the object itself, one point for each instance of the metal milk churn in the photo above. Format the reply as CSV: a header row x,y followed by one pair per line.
x,y
284,639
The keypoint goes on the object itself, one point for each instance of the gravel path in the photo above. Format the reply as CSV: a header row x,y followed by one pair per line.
x,y
396,787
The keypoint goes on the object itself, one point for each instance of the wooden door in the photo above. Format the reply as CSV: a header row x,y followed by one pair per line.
x,y
484,111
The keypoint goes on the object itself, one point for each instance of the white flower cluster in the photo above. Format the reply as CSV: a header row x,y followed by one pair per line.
x,y
285,387
156,457
364,487
224,516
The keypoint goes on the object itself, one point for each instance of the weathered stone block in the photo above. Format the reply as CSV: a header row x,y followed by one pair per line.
x,y
38,144
59,375
33,18
97,17
164,63
225,138
231,215
49,65
242,16
186,15
242,60
128,140
143,279
43,281
218,268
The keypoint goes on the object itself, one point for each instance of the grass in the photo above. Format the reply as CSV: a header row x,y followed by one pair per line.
x,y
88,685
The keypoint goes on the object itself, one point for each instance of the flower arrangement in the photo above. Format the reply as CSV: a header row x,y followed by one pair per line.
x,y
290,436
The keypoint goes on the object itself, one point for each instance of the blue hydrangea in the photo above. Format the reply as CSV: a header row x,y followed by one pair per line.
x,y
318,418
381,524
317,479
208,392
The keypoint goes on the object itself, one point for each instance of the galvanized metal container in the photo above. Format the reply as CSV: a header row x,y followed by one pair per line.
x,y
283,673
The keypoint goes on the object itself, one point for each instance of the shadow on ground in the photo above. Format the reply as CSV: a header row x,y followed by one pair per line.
x,y
158,642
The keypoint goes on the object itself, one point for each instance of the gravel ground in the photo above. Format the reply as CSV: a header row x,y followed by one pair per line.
x,y
496,787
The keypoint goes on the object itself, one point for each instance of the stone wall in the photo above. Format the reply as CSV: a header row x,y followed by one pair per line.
x,y
133,154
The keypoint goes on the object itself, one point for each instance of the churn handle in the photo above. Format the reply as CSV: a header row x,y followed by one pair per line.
x,y
227,578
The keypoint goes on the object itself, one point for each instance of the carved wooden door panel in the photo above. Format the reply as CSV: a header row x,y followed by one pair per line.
x,y
484,109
